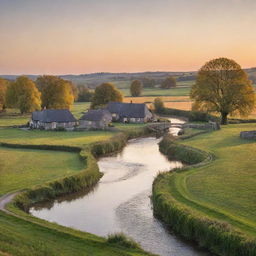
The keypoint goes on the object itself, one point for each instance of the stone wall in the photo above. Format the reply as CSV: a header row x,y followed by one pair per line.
x,y
248,135
204,126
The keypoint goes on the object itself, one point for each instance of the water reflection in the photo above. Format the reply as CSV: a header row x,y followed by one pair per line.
x,y
121,201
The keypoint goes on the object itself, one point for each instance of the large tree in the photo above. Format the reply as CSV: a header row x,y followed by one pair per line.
x,y
169,82
159,105
3,89
136,88
104,94
57,93
222,86
24,95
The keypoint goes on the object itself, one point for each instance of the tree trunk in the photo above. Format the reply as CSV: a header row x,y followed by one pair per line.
x,y
224,118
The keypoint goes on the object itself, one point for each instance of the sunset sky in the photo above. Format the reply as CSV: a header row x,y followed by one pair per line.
x,y
85,36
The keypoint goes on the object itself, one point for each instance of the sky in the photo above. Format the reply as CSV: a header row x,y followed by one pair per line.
x,y
86,36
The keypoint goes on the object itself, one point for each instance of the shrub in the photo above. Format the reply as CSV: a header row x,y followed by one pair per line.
x,y
191,115
219,237
122,240
159,106
175,151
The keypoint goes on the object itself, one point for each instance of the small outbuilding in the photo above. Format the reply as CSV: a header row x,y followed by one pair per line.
x,y
129,112
51,119
95,119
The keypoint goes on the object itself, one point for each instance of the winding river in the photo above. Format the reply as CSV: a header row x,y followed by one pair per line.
x,y
121,200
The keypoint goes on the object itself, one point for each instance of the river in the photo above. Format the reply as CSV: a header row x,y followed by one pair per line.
x,y
121,200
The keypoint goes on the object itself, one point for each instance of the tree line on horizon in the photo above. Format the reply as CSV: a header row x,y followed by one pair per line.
x,y
53,92
221,86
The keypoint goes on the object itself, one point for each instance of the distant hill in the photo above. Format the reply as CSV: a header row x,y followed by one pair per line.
x,y
94,79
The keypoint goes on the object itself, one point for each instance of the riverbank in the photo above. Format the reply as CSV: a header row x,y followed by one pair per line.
x,y
124,193
211,201
22,234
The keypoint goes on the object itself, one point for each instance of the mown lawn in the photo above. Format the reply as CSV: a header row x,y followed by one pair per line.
x,y
24,238
37,137
127,127
23,168
228,184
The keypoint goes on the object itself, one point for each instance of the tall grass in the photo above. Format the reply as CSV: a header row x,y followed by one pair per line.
x,y
86,179
176,151
122,240
219,237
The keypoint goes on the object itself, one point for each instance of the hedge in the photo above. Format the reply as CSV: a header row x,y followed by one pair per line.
x,y
219,237
192,116
77,182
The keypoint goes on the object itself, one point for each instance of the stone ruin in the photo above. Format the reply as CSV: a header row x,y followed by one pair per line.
x,y
248,135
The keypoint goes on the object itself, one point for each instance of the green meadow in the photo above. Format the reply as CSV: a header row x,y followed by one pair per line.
x,y
25,238
24,168
178,91
37,137
225,188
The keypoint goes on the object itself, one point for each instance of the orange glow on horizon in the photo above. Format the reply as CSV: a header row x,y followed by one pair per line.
x,y
74,37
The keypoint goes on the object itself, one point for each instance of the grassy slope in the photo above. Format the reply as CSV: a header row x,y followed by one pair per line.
x,y
21,237
226,186
23,168
38,137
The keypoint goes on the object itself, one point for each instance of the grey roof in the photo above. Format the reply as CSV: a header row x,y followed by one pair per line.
x,y
130,110
97,115
53,115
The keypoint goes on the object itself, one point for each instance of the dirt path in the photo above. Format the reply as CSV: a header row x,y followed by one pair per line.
x,y
5,199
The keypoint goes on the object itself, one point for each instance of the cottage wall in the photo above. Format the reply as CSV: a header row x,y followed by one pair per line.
x,y
93,124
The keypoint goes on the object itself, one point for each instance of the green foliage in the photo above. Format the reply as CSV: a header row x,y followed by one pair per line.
x,y
193,116
40,238
185,154
148,82
122,240
24,95
44,138
159,106
136,88
211,204
106,147
222,86
3,89
69,184
169,82
84,94
104,94
216,236
31,236
56,93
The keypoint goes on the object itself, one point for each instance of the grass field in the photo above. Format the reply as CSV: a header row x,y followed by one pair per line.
x,y
23,168
25,238
224,189
37,137
178,91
